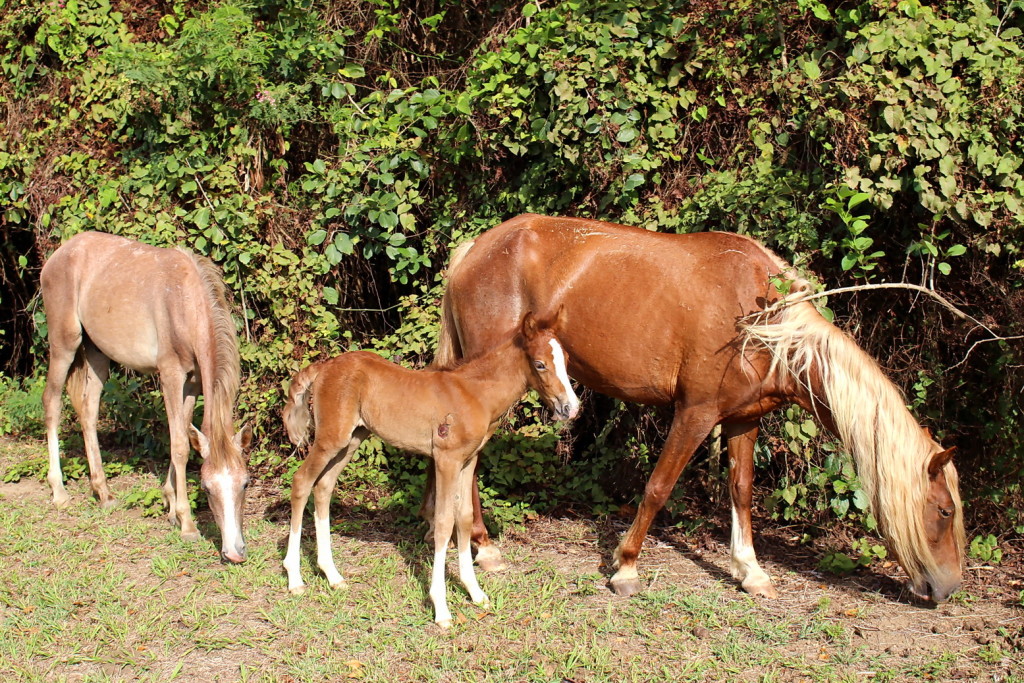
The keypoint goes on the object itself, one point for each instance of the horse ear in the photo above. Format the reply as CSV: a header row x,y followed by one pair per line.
x,y
198,441
559,317
244,437
939,461
530,328
927,432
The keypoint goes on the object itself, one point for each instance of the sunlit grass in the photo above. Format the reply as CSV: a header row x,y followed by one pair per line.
x,y
103,595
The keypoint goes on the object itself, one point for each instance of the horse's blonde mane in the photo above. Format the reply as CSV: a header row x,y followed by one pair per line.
x,y
891,451
223,390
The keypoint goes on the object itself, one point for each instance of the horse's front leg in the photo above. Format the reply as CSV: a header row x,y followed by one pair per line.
x,y
178,395
464,524
745,568
689,428
446,470
488,555
189,393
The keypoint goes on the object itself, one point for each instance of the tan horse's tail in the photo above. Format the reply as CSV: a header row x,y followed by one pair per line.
x,y
449,350
296,413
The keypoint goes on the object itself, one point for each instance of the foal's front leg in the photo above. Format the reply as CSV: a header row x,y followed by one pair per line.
x,y
464,528
446,471
177,398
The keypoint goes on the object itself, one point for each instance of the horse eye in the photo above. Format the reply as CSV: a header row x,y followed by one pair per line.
x,y
946,514
539,364
245,484
203,486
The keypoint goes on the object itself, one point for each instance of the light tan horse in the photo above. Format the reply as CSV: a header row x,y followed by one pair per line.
x,y
151,310
447,415
677,319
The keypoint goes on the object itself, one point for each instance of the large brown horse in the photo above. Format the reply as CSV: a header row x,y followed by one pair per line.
x,y
674,319
151,310
447,415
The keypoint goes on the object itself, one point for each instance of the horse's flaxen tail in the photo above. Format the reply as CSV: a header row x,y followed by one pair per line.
x,y
449,350
296,413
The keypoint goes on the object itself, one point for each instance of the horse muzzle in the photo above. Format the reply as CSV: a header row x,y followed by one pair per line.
x,y
565,411
235,555
934,591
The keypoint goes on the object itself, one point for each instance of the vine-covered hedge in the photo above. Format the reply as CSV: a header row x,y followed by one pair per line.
x,y
328,156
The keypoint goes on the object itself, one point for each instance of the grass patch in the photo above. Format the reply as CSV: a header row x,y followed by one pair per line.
x,y
103,595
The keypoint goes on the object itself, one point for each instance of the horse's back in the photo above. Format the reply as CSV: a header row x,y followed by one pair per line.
x,y
641,310
133,300
400,405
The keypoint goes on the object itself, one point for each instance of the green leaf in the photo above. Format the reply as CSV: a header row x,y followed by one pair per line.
x,y
316,238
812,69
634,181
626,134
331,296
351,70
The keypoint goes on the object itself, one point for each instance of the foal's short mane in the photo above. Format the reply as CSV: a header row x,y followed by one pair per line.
x,y
220,393
889,447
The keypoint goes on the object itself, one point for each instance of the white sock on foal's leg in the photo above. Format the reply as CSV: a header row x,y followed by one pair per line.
x,y
324,554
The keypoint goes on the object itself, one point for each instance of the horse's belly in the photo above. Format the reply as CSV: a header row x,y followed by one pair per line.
x,y
124,338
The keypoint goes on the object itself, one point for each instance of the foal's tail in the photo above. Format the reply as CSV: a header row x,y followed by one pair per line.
x,y
449,351
296,413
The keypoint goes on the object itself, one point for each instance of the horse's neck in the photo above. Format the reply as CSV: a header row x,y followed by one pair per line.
x,y
498,377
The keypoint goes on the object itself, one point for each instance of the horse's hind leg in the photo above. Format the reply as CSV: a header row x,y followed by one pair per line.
x,y
321,467
322,492
85,384
741,480
65,338
689,428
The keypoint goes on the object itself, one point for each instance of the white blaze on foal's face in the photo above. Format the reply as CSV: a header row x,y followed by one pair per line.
x,y
571,402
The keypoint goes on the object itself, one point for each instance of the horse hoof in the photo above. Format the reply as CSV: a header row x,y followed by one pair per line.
x,y
444,623
108,504
339,585
626,587
484,604
760,589
191,536
489,559
61,501
297,590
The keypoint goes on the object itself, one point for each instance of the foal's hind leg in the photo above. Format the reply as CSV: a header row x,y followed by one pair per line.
x,y
322,467
322,492
741,480
65,337
85,385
